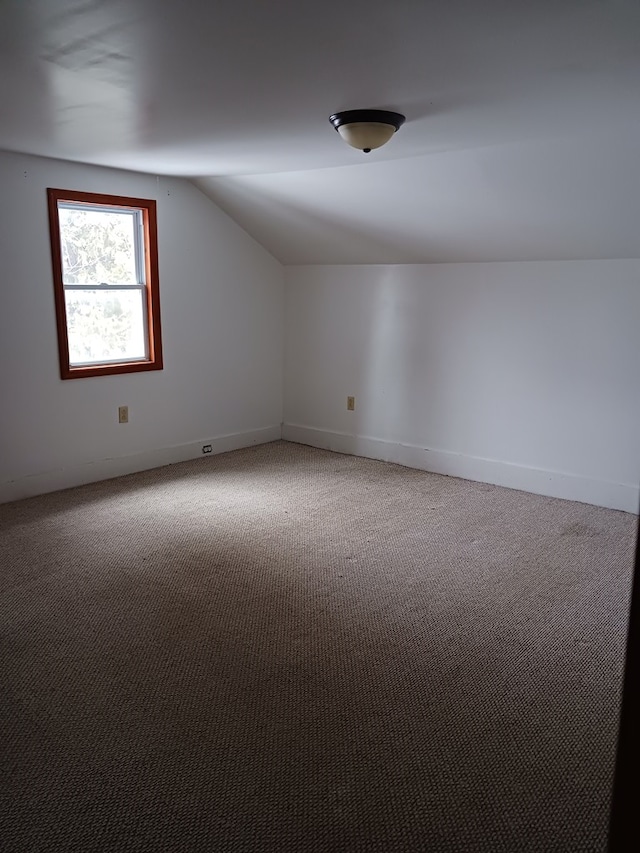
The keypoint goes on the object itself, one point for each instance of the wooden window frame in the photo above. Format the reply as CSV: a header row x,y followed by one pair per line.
x,y
152,284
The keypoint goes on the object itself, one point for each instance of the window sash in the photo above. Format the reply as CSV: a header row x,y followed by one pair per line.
x,y
141,360
138,234
103,287
145,323
140,268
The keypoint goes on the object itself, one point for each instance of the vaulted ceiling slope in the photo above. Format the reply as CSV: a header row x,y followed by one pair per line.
x,y
521,141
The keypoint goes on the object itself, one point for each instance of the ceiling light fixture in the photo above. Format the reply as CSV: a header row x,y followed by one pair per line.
x,y
366,129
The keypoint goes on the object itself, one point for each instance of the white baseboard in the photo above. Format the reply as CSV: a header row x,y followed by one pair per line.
x,y
538,481
104,469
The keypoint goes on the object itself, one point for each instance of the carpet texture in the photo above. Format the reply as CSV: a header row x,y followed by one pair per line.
x,y
285,649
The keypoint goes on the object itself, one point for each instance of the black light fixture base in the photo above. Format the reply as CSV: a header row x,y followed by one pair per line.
x,y
396,120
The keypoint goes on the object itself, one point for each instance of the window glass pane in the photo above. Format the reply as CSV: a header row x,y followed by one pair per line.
x,y
98,247
105,325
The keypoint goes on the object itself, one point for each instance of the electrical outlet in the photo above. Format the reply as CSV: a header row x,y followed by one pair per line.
x,y
206,448
351,404
123,414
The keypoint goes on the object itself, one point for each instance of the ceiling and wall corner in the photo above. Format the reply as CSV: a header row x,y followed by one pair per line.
x,y
521,140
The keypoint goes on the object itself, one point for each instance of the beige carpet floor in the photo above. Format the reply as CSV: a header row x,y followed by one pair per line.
x,y
285,649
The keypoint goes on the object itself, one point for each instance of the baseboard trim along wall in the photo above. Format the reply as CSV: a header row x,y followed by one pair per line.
x,y
538,481
105,469
555,484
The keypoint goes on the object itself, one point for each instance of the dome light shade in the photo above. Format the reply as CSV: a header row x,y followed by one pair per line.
x,y
366,129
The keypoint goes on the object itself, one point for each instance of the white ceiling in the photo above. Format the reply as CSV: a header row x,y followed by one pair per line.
x,y
521,141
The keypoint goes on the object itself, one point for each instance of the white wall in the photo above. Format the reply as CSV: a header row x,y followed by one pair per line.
x,y
222,306
523,374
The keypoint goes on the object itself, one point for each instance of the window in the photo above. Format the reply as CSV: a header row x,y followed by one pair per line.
x,y
104,251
